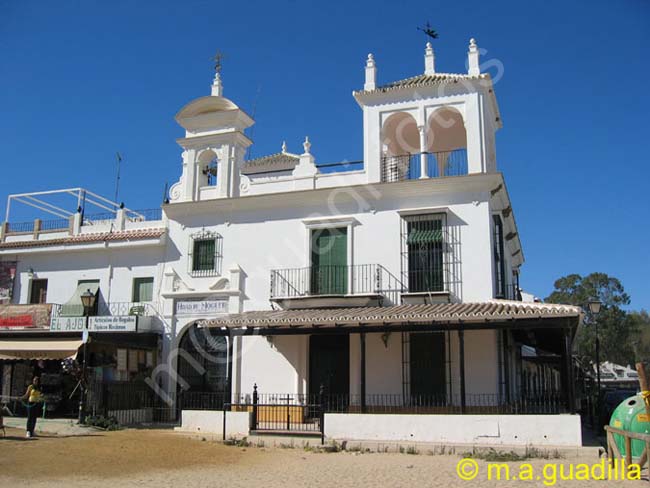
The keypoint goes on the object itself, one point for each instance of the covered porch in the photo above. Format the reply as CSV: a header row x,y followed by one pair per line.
x,y
408,359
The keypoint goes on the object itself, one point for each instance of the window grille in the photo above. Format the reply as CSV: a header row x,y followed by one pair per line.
x,y
499,262
205,253
424,249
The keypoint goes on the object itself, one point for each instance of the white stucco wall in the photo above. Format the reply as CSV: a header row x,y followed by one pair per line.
x,y
211,422
509,430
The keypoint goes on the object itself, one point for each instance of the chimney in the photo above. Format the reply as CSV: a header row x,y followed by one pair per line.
x,y
429,60
371,74
472,59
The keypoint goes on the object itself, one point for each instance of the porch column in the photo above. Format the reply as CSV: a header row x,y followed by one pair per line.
x,y
231,341
362,344
461,362
570,382
506,364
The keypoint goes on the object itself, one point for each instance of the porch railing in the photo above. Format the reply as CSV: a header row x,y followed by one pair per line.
x,y
437,164
358,279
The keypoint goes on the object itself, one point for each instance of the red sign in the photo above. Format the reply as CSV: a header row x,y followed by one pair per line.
x,y
17,321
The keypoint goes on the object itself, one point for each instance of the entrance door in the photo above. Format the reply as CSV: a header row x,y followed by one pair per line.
x,y
329,260
329,365
38,293
427,357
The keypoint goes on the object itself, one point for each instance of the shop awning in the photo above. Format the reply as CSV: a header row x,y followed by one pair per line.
x,y
39,348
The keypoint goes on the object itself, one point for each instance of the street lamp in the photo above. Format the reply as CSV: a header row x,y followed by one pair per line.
x,y
88,301
594,308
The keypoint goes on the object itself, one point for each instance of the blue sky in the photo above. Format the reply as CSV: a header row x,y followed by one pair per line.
x,y
80,80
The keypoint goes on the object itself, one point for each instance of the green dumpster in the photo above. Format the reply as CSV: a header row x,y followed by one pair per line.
x,y
631,415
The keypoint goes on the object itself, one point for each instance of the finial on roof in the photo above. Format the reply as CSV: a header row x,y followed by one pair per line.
x,y
473,68
429,60
284,147
217,87
306,145
371,74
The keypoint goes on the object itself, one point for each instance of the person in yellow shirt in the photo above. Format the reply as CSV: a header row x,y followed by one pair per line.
x,y
34,397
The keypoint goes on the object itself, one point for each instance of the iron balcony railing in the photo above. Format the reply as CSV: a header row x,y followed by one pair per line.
x,y
437,164
146,215
55,224
358,279
19,227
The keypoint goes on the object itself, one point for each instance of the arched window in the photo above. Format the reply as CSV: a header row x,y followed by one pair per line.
x,y
400,141
203,367
209,165
446,143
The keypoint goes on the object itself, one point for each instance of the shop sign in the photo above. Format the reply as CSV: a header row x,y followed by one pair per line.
x,y
123,323
17,321
67,324
201,307
126,323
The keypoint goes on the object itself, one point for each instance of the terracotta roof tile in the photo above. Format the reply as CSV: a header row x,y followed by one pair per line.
x,y
282,161
126,235
496,310
425,80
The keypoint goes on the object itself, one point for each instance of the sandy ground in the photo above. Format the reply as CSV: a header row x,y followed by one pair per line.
x,y
154,458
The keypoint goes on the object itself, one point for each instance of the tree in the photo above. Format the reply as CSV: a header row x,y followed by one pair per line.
x,y
640,324
618,332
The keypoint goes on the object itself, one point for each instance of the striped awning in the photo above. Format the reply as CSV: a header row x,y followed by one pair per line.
x,y
424,236
39,348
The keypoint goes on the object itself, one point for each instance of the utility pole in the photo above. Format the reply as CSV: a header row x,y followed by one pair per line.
x,y
117,179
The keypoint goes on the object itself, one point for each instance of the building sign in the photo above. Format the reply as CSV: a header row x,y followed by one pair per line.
x,y
122,323
7,275
18,321
126,323
201,307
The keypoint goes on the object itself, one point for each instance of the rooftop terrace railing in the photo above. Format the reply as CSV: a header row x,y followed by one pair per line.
x,y
437,164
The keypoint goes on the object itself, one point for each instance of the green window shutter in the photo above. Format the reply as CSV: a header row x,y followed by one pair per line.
x,y
329,261
203,255
142,289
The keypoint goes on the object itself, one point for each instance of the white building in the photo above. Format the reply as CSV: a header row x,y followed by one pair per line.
x,y
386,285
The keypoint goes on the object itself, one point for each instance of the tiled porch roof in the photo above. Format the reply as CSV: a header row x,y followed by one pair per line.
x,y
282,161
493,311
127,235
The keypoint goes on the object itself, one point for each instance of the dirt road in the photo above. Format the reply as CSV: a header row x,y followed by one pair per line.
x,y
151,458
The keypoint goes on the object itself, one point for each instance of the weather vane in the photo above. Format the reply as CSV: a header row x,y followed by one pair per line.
x,y
218,58
429,31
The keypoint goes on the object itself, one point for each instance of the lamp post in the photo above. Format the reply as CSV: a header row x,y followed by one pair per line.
x,y
594,308
88,301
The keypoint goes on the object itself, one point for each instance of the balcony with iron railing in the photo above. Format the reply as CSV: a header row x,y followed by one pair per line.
x,y
335,285
436,164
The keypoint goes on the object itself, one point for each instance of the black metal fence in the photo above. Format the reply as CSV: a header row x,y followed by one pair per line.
x,y
130,403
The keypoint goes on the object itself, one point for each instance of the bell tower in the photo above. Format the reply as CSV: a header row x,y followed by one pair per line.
x,y
214,146
434,124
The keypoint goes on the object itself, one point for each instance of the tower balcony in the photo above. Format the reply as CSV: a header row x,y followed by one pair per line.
x,y
432,164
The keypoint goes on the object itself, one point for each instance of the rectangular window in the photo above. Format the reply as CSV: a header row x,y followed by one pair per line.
x,y
142,289
204,254
329,261
423,246
38,292
499,263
